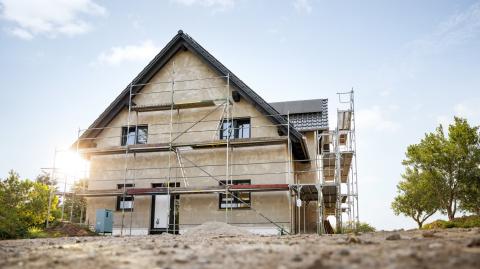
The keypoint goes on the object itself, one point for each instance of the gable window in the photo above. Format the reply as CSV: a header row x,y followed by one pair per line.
x,y
134,135
124,203
238,128
235,199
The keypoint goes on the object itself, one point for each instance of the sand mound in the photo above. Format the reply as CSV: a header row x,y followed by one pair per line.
x,y
216,228
69,229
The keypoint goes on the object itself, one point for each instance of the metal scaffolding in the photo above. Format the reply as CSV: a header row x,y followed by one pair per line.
x,y
335,190
332,169
338,168
175,148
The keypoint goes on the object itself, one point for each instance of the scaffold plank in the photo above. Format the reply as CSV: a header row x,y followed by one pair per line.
x,y
189,190
158,147
162,107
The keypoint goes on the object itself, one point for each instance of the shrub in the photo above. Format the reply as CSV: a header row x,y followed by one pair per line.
x,y
463,222
438,224
361,227
34,232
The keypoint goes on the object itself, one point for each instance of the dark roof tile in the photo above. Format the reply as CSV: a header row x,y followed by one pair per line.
x,y
305,115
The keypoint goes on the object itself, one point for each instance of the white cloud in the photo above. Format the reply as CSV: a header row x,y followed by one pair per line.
x,y
464,109
130,53
385,93
455,30
217,5
303,6
48,17
458,29
444,120
21,33
375,118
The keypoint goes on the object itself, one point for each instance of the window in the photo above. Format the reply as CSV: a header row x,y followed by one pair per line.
x,y
125,203
134,135
239,129
236,199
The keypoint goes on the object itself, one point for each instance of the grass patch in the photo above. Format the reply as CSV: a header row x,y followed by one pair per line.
x,y
34,232
361,227
462,222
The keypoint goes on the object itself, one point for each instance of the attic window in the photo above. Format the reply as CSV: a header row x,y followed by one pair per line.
x,y
238,128
134,135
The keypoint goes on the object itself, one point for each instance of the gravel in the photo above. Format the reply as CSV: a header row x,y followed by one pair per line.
x,y
208,247
215,229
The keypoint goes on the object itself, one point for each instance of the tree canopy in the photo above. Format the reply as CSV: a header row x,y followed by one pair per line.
x,y
416,198
442,172
24,205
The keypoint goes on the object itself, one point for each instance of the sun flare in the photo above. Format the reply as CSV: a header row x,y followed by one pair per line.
x,y
71,164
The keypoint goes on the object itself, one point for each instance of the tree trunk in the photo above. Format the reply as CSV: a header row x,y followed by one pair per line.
x,y
450,213
450,207
454,208
418,220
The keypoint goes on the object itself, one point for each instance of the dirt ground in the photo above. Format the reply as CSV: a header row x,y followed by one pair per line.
x,y
453,248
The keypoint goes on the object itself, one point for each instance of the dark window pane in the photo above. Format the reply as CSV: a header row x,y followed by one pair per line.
x,y
128,185
235,199
226,130
125,203
124,136
244,129
238,128
134,135
131,136
142,134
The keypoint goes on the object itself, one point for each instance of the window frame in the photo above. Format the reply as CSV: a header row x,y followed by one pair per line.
x,y
240,205
120,198
236,129
125,134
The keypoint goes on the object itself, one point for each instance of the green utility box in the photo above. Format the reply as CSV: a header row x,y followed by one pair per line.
x,y
104,221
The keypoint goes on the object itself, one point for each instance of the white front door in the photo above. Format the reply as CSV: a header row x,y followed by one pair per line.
x,y
162,212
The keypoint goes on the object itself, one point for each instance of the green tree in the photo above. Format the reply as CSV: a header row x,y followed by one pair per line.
x,y
416,196
12,193
470,196
35,208
24,204
450,162
46,179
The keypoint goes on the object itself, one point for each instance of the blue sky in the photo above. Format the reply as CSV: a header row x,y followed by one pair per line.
x,y
413,64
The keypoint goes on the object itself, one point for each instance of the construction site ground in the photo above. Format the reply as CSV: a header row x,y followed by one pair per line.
x,y
218,246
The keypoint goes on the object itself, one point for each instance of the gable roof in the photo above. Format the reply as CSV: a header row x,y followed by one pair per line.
x,y
182,41
305,115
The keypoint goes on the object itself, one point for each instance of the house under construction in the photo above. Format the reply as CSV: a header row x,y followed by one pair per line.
x,y
188,142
